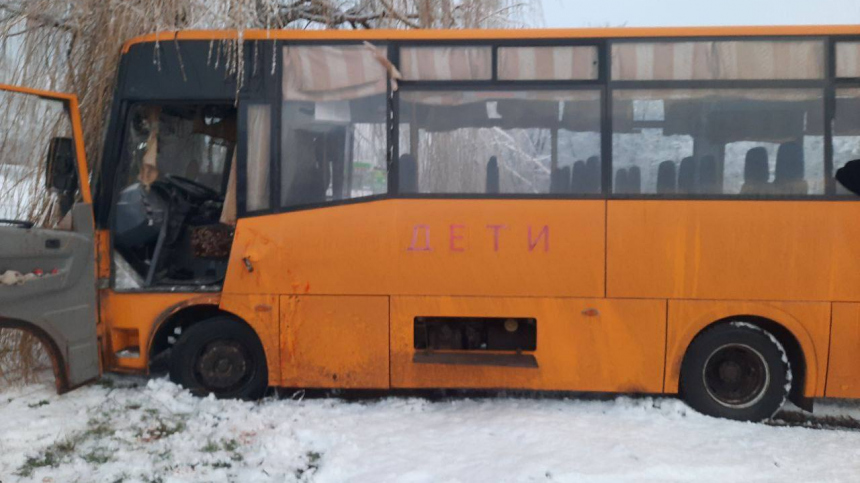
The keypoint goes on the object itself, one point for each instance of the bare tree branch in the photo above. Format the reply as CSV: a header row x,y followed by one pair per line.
x,y
17,12
74,45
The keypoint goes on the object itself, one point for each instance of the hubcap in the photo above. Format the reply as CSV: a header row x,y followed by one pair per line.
x,y
736,376
223,365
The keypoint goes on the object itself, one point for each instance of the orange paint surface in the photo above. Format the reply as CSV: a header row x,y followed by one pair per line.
x,y
261,313
80,151
479,258
338,250
618,349
425,247
141,312
493,34
37,92
843,375
103,259
730,250
335,268
335,341
809,322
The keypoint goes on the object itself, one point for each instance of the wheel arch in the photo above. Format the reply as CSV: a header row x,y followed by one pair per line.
x,y
58,362
184,316
799,345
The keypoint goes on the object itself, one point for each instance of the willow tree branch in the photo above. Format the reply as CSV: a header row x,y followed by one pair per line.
x,y
324,12
43,19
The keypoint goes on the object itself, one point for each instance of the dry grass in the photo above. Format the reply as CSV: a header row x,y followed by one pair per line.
x,y
23,359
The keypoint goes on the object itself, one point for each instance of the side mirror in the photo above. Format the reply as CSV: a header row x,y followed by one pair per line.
x,y
62,170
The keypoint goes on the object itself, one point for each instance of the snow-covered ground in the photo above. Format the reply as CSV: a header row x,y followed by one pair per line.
x,y
130,429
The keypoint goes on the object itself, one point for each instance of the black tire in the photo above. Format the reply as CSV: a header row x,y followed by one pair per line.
x,y
221,356
736,371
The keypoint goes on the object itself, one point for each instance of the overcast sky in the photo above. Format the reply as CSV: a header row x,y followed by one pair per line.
x,y
658,13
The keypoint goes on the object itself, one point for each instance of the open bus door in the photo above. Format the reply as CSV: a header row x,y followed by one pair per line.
x,y
47,257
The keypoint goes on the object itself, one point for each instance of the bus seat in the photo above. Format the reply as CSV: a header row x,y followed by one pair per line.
x,y
493,175
687,175
666,178
555,181
708,180
408,174
308,186
309,181
566,176
756,172
592,175
788,178
578,177
634,180
622,182
559,181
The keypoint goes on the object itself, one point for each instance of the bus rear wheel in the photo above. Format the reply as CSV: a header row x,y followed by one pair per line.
x,y
736,371
220,356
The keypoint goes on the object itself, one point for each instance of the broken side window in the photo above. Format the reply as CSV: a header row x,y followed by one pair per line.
x,y
29,126
333,125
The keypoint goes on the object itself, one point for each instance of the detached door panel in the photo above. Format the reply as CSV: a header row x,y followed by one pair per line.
x,y
47,258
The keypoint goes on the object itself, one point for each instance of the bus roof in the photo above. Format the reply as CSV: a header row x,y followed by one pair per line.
x,y
497,34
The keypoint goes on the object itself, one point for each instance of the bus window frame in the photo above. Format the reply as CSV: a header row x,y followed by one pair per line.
x,y
667,40
824,84
603,83
495,87
835,84
832,50
272,93
494,84
242,156
261,88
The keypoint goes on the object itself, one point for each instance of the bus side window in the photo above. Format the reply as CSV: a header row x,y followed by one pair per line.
x,y
846,129
257,156
751,142
30,127
333,131
500,141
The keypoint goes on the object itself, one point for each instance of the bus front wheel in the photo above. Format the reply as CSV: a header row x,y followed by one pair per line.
x,y
736,371
221,356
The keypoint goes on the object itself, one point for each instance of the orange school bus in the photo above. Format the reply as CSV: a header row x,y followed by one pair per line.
x,y
608,210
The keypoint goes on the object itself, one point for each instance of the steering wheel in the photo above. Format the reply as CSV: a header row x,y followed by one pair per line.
x,y
192,188
20,223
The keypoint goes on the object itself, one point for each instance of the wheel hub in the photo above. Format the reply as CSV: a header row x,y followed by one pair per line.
x,y
730,372
223,365
736,375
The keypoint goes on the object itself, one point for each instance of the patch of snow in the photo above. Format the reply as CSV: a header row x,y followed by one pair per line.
x,y
784,356
158,431
17,185
126,278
